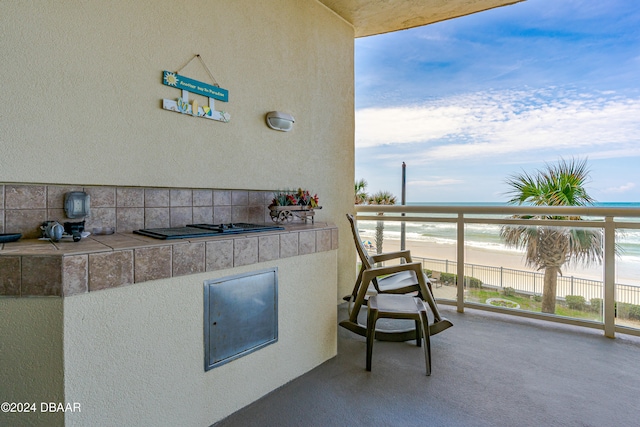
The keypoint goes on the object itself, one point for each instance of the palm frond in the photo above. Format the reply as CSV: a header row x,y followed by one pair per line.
x,y
361,195
585,246
561,184
382,198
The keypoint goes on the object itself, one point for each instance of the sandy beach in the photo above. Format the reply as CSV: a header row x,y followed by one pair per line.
x,y
496,258
424,249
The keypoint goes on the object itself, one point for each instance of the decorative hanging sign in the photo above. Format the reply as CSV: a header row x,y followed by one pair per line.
x,y
187,85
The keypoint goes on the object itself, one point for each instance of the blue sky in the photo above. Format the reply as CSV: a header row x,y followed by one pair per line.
x,y
468,102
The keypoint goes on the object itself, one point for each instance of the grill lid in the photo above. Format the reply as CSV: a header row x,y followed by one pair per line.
x,y
237,227
204,230
175,232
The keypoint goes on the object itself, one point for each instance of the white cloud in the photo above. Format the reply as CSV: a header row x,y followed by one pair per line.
x,y
398,125
506,123
621,189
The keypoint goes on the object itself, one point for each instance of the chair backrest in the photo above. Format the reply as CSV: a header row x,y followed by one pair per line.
x,y
435,275
367,262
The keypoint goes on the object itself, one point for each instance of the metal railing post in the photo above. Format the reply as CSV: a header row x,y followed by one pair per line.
x,y
460,261
572,286
609,277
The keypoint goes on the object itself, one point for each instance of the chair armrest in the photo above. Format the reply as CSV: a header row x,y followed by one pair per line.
x,y
391,269
416,267
392,255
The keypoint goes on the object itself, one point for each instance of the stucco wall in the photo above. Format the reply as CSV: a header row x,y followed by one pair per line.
x,y
134,355
81,85
81,89
31,358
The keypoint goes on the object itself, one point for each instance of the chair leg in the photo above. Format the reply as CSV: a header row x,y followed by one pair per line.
x,y
427,340
439,323
418,333
372,317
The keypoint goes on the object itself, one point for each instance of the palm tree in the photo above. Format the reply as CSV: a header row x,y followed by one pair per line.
x,y
360,193
549,248
381,198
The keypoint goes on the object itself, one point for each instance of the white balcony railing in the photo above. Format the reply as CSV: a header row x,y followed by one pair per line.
x,y
607,219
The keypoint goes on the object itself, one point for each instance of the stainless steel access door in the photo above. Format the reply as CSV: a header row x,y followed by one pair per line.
x,y
240,315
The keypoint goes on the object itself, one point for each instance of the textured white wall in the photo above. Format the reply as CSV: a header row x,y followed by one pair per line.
x,y
81,90
134,355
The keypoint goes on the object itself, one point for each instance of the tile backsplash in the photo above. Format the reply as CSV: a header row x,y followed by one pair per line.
x,y
23,208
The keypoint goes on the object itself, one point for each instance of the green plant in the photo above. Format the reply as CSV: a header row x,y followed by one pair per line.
x,y
504,303
449,278
575,302
595,305
537,298
529,303
628,311
634,311
509,292
472,282
452,279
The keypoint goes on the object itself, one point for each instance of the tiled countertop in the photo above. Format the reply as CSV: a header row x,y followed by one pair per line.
x,y
33,267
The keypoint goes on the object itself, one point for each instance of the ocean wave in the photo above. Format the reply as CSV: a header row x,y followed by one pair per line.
x,y
487,237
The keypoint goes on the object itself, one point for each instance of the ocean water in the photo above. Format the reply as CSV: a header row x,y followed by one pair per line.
x,y
487,236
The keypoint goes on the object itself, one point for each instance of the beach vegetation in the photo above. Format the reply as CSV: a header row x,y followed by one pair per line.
x,y
628,311
595,304
499,302
576,302
361,195
549,248
451,279
526,303
381,198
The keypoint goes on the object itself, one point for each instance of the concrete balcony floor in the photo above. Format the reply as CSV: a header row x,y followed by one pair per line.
x,y
488,370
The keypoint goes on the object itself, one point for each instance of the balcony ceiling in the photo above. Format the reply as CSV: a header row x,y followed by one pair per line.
x,y
370,17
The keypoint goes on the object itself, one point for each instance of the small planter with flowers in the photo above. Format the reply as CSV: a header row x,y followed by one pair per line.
x,y
288,205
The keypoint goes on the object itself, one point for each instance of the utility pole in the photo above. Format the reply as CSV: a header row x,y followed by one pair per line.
x,y
403,232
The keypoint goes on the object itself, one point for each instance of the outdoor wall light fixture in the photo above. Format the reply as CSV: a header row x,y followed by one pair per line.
x,y
280,121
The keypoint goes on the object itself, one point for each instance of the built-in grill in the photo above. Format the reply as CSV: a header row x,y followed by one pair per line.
x,y
204,230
